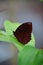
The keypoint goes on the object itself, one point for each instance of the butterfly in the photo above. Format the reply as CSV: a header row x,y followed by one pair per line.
x,y
23,32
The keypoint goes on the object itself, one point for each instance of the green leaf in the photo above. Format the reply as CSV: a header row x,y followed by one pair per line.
x,y
10,27
2,32
30,56
12,39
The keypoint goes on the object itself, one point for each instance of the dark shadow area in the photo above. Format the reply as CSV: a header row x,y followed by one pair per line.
x,y
5,63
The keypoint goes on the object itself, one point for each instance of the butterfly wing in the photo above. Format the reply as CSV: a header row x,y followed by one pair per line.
x,y
23,32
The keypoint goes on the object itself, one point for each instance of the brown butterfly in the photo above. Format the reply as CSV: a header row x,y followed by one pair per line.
x,y
23,32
